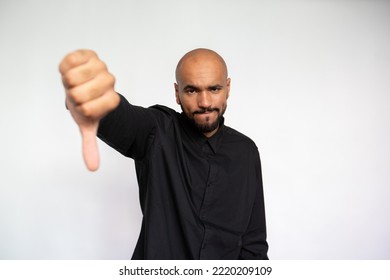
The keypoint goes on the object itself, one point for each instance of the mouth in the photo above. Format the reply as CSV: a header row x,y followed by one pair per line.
x,y
205,116
206,111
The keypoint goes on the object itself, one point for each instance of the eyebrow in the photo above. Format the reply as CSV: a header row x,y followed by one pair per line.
x,y
215,86
192,87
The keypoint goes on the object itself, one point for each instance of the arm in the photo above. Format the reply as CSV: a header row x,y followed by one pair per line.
x,y
254,241
128,129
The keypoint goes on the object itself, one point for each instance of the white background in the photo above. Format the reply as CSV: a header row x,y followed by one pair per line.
x,y
310,85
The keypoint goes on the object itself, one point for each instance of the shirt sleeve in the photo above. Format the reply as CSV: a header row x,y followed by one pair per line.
x,y
128,129
254,241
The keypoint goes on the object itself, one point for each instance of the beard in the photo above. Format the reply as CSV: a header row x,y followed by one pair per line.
x,y
206,127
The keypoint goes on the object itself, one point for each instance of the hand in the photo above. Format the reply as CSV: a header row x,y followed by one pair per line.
x,y
90,95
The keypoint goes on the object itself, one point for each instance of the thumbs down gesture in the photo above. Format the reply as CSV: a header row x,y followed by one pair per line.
x,y
90,95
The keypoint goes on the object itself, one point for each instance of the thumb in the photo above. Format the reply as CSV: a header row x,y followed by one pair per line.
x,y
90,148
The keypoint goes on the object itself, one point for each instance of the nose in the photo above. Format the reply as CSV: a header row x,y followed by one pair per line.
x,y
204,99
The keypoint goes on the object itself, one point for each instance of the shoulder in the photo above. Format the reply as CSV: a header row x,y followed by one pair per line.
x,y
238,138
163,113
164,116
164,110
242,146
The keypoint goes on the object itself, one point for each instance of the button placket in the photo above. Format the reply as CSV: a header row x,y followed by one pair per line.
x,y
207,201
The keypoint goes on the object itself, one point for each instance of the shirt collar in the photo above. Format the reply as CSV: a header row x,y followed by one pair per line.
x,y
198,137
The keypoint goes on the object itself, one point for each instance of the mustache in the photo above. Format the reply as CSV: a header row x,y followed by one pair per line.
x,y
204,110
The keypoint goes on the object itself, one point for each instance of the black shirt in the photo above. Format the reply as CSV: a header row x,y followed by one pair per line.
x,y
201,198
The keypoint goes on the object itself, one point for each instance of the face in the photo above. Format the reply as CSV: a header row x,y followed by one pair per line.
x,y
202,90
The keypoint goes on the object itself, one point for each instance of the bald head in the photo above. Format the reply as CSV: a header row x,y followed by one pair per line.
x,y
202,89
198,58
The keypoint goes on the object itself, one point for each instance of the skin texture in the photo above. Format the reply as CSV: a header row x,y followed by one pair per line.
x,y
202,88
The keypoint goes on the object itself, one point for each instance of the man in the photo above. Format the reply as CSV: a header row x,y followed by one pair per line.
x,y
200,181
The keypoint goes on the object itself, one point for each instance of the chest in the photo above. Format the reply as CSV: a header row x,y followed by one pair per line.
x,y
224,177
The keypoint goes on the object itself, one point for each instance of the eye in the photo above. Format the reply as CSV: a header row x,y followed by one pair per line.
x,y
215,89
190,90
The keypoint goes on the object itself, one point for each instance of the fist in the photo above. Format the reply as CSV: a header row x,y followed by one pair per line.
x,y
88,85
90,95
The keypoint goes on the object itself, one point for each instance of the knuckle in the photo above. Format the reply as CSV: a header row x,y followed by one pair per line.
x,y
103,65
98,63
76,58
94,92
86,111
75,96
68,80
86,72
114,100
105,80
110,79
72,59
87,52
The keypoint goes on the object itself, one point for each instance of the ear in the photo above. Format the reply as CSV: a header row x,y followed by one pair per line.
x,y
177,93
228,87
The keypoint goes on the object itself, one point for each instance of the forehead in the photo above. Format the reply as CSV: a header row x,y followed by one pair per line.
x,y
201,70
